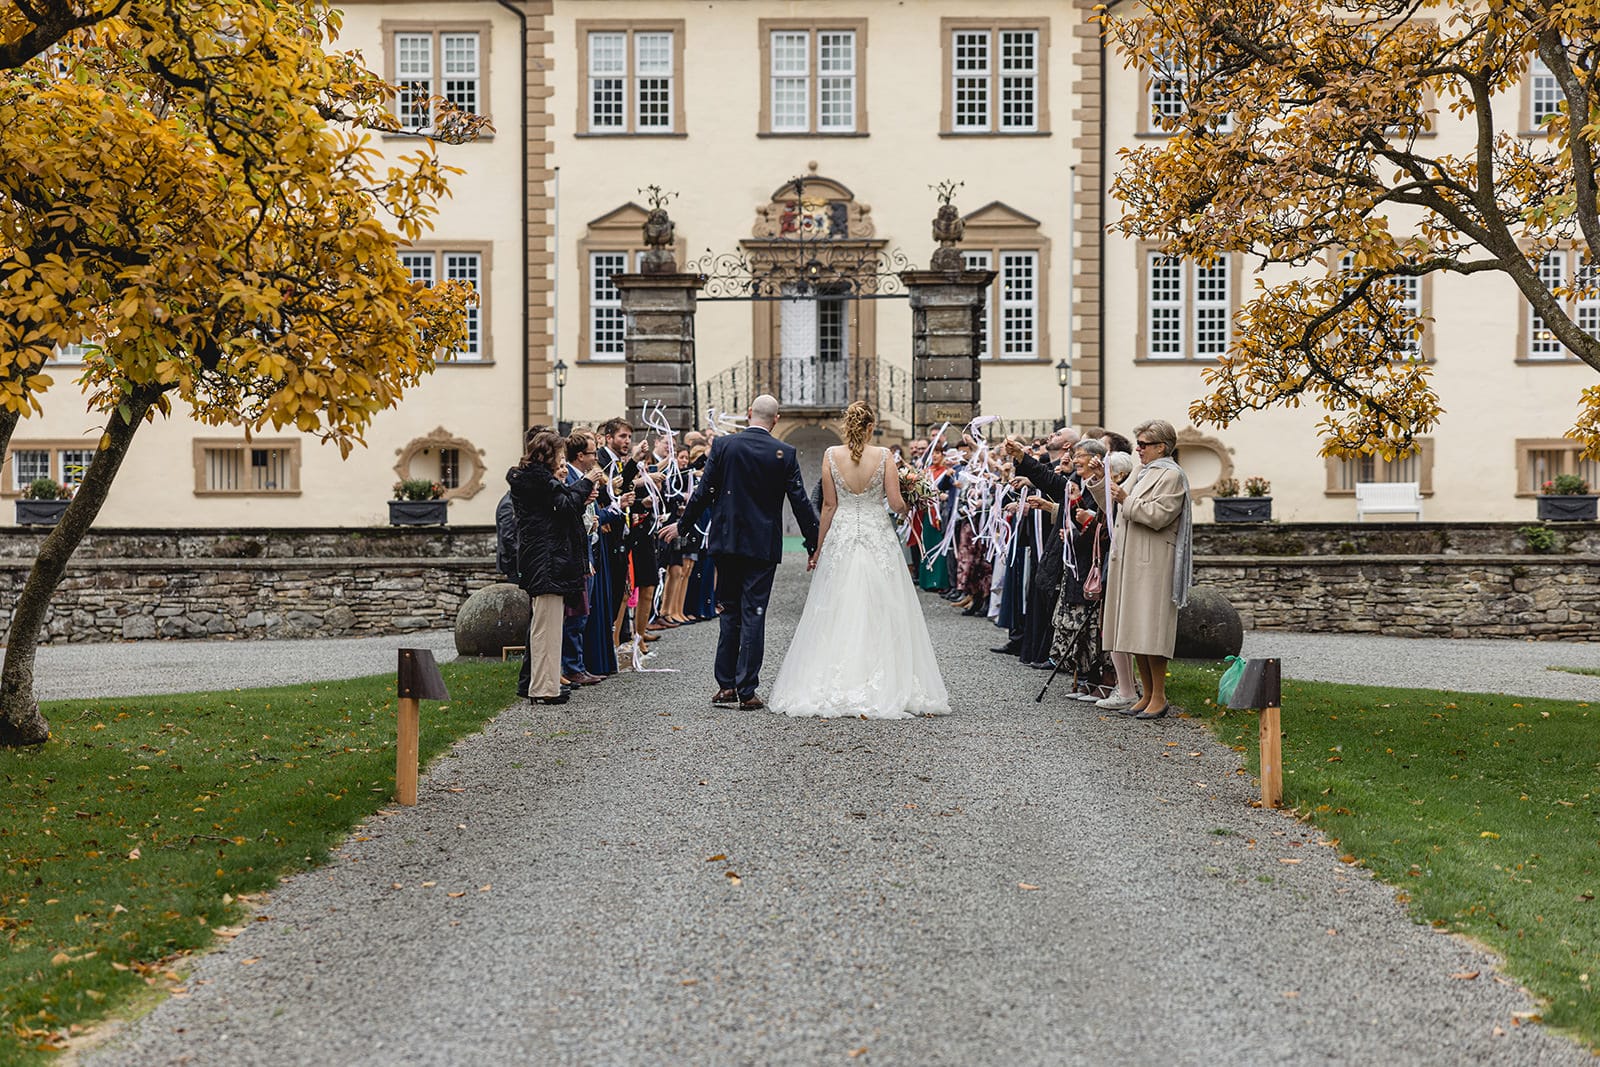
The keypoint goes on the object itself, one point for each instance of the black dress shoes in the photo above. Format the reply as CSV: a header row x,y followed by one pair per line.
x,y
562,699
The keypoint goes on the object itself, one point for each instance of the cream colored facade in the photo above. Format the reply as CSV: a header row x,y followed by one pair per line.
x,y
1504,411
594,100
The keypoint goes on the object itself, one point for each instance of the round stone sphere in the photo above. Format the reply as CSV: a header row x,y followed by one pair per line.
x,y
1208,626
493,618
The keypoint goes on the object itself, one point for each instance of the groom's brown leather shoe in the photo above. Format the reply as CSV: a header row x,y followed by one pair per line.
x,y
725,697
752,703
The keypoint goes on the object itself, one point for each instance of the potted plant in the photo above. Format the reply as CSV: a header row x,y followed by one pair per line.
x,y
42,502
418,502
1566,498
1255,505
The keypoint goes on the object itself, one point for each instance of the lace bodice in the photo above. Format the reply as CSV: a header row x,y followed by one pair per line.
x,y
862,518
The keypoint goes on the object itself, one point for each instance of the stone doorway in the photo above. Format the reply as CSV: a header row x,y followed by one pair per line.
x,y
810,442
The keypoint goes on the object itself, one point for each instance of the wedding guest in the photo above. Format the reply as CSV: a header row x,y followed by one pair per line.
x,y
1076,647
935,572
551,549
1045,507
1152,562
615,460
580,449
1118,466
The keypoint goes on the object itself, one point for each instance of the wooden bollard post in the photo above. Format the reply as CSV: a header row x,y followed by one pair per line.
x,y
418,680
1261,687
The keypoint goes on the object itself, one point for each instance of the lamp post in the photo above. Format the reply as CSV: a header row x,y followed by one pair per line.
x,y
1064,378
561,384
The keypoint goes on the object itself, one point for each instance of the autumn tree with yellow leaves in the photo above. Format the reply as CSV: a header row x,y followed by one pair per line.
x,y
189,188
1304,141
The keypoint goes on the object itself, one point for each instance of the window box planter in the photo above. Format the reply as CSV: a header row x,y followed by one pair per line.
x,y
1552,508
418,512
1242,508
48,512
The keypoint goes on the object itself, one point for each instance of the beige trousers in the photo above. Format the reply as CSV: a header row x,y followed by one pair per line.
x,y
544,646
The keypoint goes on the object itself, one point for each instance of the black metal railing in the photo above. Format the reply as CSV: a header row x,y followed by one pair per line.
x,y
894,396
800,385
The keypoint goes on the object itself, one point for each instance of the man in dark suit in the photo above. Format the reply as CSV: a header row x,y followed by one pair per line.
x,y
747,476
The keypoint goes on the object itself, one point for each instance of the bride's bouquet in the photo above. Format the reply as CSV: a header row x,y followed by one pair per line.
x,y
921,498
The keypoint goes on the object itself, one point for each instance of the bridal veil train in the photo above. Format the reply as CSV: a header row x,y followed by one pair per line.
x,y
862,645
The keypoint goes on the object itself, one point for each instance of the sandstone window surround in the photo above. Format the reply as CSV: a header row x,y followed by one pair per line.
x,y
1185,306
436,59
1415,295
454,462
612,244
995,77
1539,459
813,78
1416,466
430,262
1002,239
630,78
1568,267
63,461
239,467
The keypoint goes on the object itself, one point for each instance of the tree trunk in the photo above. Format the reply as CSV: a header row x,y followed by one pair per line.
x,y
20,720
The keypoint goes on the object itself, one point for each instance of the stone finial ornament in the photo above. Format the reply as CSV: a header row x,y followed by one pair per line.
x,y
658,233
948,228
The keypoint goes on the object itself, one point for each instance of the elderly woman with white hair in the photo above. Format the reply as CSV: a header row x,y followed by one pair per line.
x,y
1151,565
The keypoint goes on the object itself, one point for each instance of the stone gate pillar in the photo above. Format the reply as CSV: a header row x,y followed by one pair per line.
x,y
658,325
947,314
658,343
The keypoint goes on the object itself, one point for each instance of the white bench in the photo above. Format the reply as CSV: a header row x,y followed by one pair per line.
x,y
1388,498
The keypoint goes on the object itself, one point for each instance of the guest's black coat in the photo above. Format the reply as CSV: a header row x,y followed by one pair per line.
x,y
552,548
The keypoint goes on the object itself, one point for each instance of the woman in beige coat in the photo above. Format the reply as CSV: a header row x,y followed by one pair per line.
x,y
1151,565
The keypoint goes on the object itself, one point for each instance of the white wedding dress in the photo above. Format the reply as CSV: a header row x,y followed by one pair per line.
x,y
862,645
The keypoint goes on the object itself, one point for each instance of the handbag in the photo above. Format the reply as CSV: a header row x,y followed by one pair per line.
x,y
1094,584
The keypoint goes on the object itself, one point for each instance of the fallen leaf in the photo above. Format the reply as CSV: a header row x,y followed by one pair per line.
x,y
1025,886
118,909
1288,859
485,888
1291,994
1465,976
734,878
429,885
396,885
250,962
690,981
1489,833
856,1053
60,958
134,854
453,896
718,856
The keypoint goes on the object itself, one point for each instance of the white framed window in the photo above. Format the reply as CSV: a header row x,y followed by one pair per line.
x,y
1544,93
1342,475
1408,294
606,325
431,64
75,464
1542,342
429,266
1187,307
632,76
996,79
1164,327
1168,102
72,354
971,74
813,80
28,464
1019,305
981,261
791,78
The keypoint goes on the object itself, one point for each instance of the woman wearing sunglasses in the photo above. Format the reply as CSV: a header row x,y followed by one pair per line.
x,y
1151,565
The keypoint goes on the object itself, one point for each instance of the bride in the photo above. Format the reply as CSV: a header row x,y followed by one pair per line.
x,y
862,646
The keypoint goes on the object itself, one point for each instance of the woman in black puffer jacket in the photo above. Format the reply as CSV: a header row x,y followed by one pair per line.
x,y
552,553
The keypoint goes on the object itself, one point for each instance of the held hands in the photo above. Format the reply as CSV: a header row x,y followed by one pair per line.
x,y
811,560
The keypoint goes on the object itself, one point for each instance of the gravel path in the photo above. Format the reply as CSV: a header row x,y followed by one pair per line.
x,y
1018,883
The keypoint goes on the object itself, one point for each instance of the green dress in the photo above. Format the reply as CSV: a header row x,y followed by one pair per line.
x,y
933,575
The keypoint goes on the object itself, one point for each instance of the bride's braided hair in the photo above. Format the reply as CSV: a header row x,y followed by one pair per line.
x,y
858,420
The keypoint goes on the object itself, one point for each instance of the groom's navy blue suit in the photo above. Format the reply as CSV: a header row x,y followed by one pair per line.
x,y
747,476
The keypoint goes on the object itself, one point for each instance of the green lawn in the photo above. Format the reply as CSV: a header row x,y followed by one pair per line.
x,y
127,839
1577,670
1483,811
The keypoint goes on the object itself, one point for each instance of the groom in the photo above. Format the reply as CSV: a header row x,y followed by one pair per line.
x,y
746,478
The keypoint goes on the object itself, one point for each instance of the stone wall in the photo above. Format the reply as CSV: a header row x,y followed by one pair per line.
x,y
1411,580
138,584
